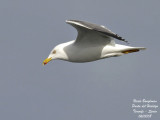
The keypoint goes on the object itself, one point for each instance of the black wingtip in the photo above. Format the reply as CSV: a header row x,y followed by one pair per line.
x,y
125,41
122,39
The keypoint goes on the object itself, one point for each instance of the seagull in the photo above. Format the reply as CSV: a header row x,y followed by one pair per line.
x,y
93,42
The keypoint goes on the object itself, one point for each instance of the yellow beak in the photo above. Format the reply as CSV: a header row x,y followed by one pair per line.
x,y
46,61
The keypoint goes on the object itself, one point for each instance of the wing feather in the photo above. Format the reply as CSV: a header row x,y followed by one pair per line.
x,y
92,33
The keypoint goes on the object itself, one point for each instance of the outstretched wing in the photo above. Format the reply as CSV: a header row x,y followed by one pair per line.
x,y
92,33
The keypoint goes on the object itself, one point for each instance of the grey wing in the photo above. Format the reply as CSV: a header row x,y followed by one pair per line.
x,y
89,32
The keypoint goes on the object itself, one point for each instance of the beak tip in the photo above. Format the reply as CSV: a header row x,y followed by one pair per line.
x,y
46,61
44,64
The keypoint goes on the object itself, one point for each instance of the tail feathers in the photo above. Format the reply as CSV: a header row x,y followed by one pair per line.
x,y
134,49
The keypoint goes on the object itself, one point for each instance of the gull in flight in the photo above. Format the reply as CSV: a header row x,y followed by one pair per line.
x,y
93,42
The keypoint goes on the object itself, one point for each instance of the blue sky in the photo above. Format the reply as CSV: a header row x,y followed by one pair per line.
x,y
102,89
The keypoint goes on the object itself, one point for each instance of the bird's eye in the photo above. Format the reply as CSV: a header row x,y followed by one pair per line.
x,y
54,51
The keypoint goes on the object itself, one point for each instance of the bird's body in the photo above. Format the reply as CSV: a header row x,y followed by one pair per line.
x,y
93,43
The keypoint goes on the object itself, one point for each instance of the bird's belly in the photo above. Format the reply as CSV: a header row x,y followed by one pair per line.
x,y
85,55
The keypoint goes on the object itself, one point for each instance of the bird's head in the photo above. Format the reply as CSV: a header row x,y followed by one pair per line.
x,y
56,53
51,56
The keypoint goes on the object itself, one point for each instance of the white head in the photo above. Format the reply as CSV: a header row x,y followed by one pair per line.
x,y
56,53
